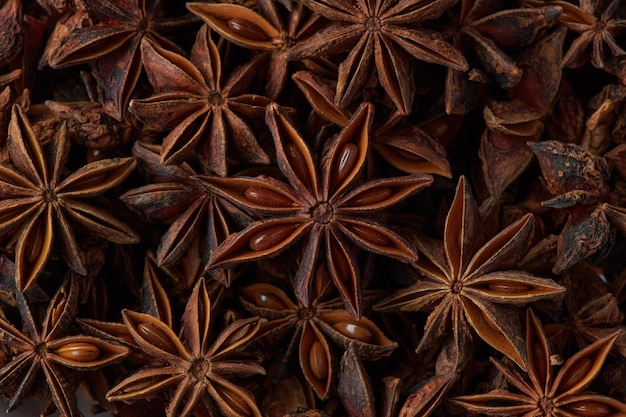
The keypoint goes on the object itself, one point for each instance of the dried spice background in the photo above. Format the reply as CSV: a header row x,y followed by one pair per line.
x,y
359,208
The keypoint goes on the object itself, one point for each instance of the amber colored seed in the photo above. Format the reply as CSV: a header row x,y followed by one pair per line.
x,y
589,409
270,301
156,336
354,330
539,360
317,361
247,29
297,162
266,197
342,266
576,374
271,237
509,287
369,235
370,197
347,159
236,404
79,351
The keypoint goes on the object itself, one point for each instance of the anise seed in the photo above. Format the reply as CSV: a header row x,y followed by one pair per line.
x,y
347,158
247,29
268,238
298,163
267,197
79,351
369,235
156,336
589,409
317,361
509,287
370,197
576,374
354,330
269,301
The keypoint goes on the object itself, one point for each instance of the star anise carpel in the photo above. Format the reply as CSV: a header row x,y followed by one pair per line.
x,y
326,209
48,348
39,203
544,391
191,364
380,35
468,283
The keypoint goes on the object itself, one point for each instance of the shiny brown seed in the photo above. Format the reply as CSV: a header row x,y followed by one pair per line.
x,y
341,264
354,330
317,360
369,235
576,374
157,337
270,301
509,287
246,29
346,160
589,409
235,403
268,238
267,197
539,359
79,351
298,163
371,197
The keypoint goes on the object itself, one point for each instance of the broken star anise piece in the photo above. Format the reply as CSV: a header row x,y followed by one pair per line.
x,y
468,282
49,349
37,203
545,392
326,209
191,364
203,113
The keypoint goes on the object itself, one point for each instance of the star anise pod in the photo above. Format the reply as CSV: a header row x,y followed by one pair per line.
x,y
11,38
37,203
269,30
326,209
468,282
597,23
112,46
545,392
199,221
203,113
49,349
191,364
381,35
309,330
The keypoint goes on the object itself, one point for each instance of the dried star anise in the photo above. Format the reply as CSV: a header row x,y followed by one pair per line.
x,y
326,209
48,348
38,203
544,391
468,282
191,364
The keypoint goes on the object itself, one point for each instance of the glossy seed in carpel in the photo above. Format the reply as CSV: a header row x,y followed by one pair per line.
x,y
79,351
247,30
317,361
369,235
589,409
156,337
370,197
270,237
509,287
347,158
354,330
576,374
267,197
265,300
297,163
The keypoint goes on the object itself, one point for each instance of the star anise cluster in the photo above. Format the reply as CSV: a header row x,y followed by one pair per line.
x,y
313,207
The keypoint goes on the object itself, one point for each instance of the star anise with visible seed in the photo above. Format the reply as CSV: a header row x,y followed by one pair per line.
x,y
326,209
310,328
37,203
191,364
112,46
381,35
468,282
204,113
49,349
545,392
